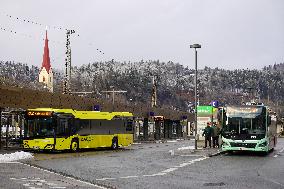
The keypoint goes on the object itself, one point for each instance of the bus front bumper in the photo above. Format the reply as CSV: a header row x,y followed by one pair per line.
x,y
256,149
239,145
39,144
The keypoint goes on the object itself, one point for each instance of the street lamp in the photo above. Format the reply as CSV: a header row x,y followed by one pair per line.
x,y
195,46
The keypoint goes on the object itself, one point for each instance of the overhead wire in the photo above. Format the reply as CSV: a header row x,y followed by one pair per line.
x,y
27,35
28,21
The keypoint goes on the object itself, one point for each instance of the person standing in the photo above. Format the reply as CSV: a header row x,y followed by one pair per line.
x,y
207,133
215,135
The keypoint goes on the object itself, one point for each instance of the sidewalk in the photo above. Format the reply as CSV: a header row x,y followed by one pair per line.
x,y
185,151
208,152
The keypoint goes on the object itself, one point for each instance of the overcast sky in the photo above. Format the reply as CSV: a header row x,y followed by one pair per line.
x,y
233,33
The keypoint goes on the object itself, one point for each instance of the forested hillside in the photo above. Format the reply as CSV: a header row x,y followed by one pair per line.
x,y
175,82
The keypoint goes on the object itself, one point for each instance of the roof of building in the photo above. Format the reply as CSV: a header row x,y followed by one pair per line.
x,y
46,59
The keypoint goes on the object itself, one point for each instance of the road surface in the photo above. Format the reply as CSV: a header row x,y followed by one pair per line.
x,y
151,165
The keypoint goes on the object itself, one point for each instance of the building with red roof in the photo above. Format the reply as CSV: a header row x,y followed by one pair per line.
x,y
46,74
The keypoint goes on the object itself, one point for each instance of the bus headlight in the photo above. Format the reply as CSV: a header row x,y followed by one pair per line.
x,y
264,144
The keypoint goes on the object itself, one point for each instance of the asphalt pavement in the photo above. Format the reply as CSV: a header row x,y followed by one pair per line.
x,y
16,175
155,165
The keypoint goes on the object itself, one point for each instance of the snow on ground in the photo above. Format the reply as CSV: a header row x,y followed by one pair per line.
x,y
186,148
172,141
15,156
137,143
179,139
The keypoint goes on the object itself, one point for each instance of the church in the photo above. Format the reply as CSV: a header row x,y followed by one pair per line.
x,y
46,74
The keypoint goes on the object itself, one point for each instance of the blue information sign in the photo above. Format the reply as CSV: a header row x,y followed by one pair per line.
x,y
215,103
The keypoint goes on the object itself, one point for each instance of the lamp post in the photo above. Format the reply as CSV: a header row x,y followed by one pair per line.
x,y
195,46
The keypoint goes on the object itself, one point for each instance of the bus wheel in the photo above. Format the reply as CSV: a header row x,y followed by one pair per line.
x,y
74,147
114,144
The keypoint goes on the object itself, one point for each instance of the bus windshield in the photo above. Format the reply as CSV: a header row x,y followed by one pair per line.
x,y
245,123
39,127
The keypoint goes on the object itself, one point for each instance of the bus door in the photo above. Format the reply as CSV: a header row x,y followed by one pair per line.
x,y
65,125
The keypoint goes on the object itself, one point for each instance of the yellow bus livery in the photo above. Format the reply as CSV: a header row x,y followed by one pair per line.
x,y
68,129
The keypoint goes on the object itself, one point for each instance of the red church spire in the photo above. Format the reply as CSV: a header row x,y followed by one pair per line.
x,y
46,59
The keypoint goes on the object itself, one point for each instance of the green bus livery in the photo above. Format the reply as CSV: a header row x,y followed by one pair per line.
x,y
248,128
68,129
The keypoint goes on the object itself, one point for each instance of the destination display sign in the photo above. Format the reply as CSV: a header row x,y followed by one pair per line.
x,y
245,112
39,113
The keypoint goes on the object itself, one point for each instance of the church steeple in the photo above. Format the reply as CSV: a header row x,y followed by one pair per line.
x,y
46,59
46,74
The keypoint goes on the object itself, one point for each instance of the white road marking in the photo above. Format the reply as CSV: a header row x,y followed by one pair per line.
x,y
184,164
106,179
278,153
156,174
273,181
170,170
84,182
129,177
161,173
37,183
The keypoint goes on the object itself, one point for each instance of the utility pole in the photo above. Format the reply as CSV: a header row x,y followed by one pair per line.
x,y
67,77
113,91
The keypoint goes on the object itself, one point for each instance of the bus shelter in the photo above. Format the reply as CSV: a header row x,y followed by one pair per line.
x,y
11,127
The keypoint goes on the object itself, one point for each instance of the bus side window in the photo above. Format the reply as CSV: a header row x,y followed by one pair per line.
x,y
75,127
62,129
84,127
129,125
95,127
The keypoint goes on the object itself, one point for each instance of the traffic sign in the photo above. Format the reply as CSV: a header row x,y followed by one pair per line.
x,y
215,103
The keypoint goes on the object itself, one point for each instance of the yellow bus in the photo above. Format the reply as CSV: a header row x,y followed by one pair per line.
x,y
68,129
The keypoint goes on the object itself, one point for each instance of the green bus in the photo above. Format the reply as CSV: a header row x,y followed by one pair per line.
x,y
248,128
68,129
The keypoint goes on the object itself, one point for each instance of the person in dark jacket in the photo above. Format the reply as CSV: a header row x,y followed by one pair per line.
x,y
207,133
215,135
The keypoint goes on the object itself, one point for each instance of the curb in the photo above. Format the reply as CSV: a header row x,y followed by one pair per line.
x,y
217,153
159,141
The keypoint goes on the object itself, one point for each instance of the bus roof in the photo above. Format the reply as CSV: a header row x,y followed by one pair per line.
x,y
86,114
